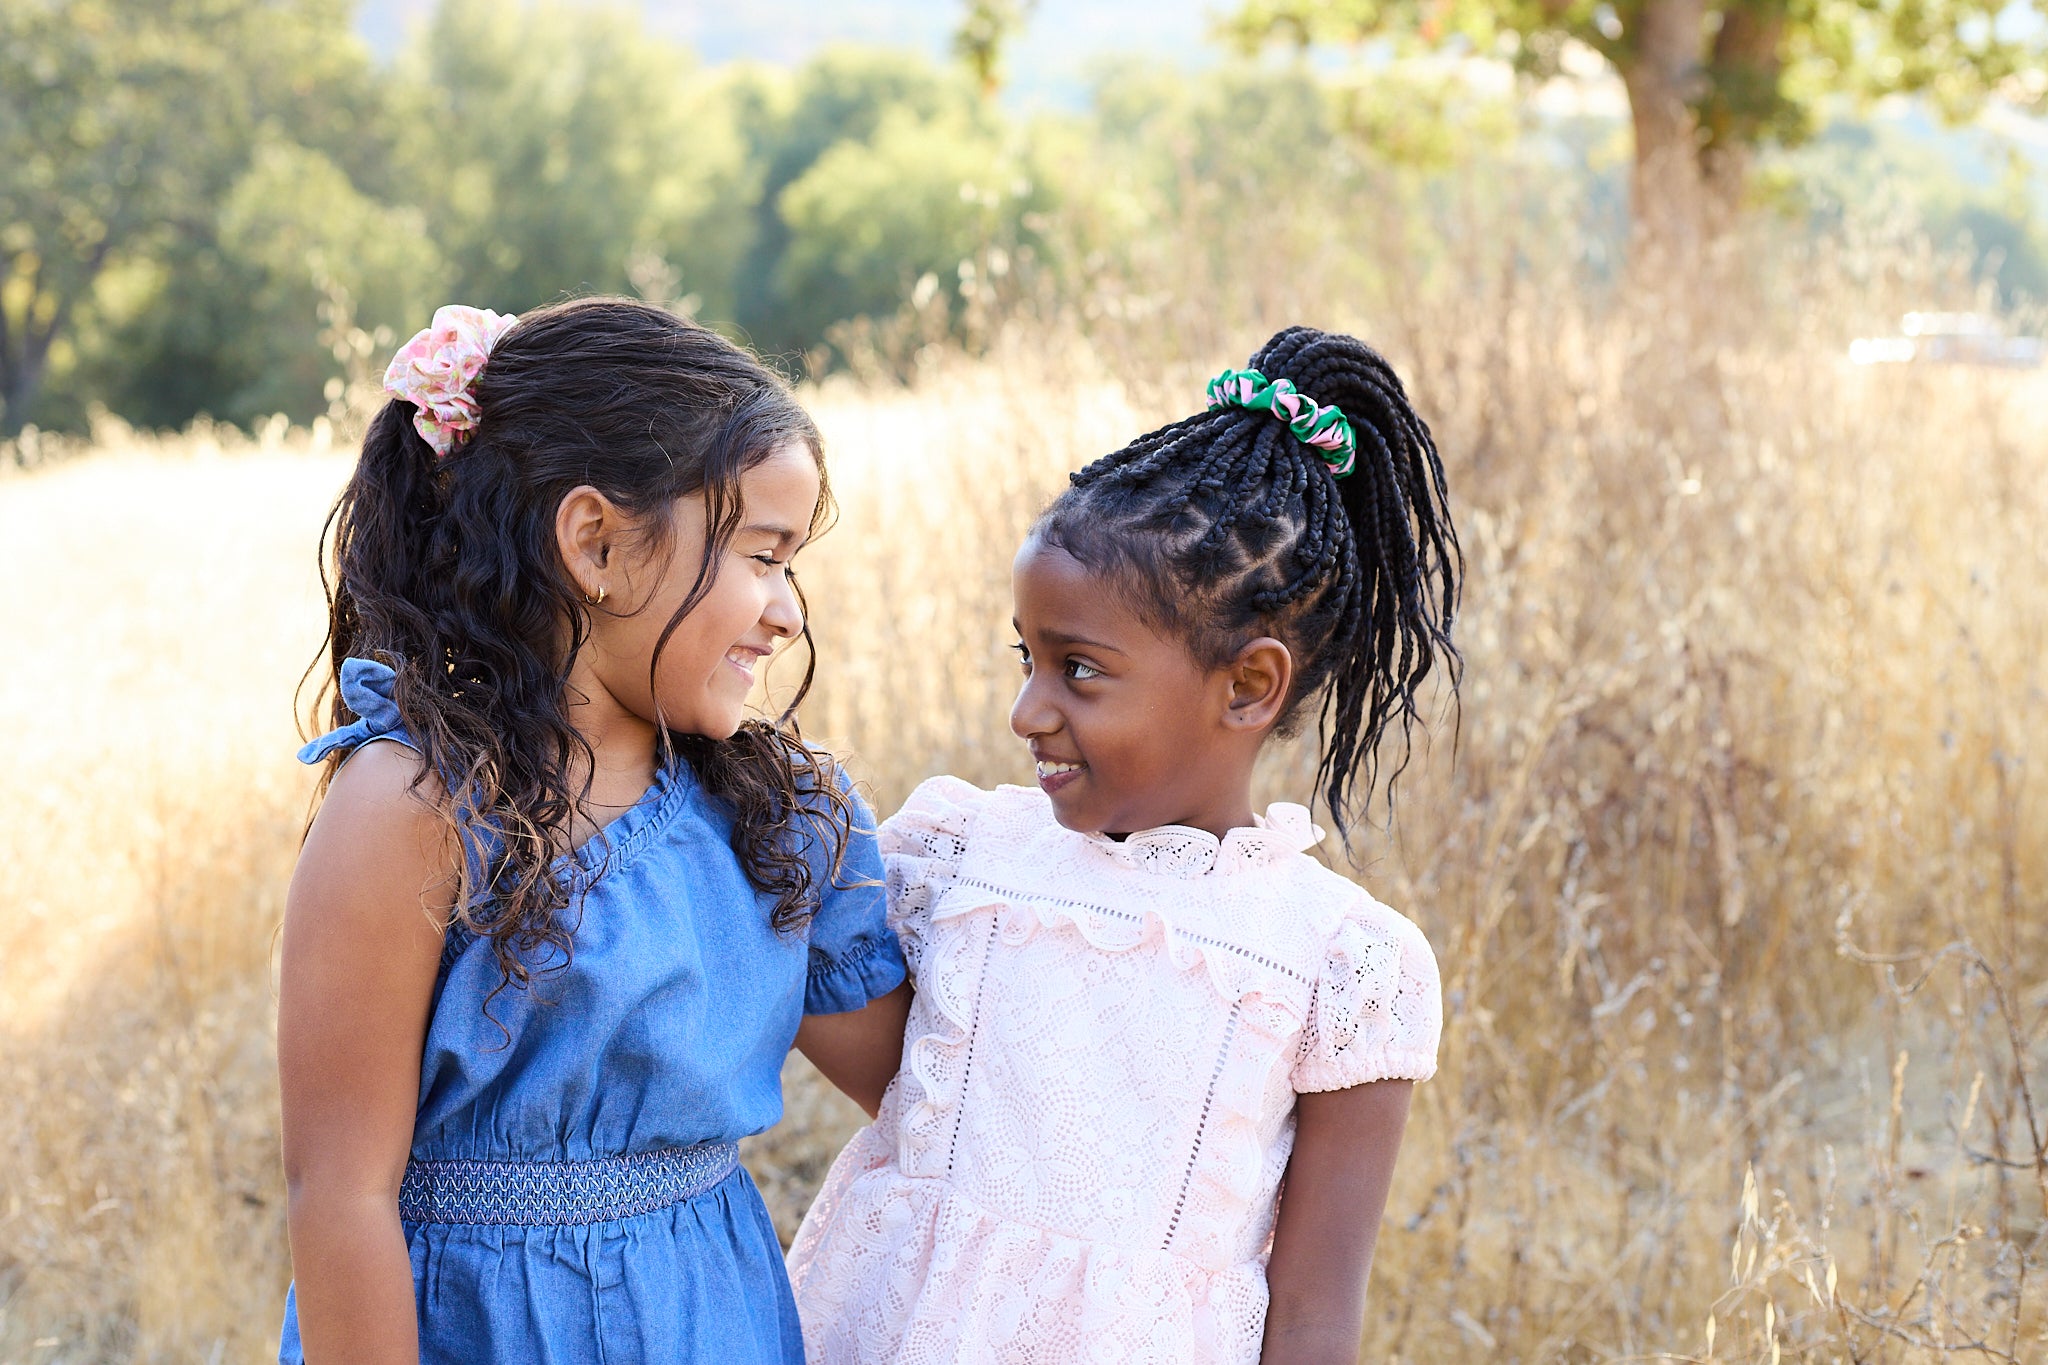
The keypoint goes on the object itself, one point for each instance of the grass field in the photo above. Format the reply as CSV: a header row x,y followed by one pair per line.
x,y
1735,860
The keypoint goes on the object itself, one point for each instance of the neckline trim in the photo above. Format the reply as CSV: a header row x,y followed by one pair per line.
x,y
1185,852
607,849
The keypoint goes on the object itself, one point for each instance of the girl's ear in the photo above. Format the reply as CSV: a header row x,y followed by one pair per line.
x,y
586,527
1260,677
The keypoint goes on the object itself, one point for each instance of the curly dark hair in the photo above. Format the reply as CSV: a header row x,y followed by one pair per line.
x,y
1224,526
447,570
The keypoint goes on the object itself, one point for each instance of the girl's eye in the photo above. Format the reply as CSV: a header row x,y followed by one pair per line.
x,y
1023,656
772,562
1081,672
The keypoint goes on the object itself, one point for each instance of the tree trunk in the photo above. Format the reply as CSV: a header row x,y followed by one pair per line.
x,y
11,416
18,384
1744,70
25,360
21,376
1667,195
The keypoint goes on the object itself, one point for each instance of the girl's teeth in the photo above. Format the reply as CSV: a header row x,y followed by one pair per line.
x,y
1055,769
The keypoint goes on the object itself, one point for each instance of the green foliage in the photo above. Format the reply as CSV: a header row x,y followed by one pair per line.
x,y
122,124
313,243
1953,52
1277,155
870,218
560,151
1243,122
1757,56
1968,191
241,321
1710,79
1412,115
220,206
984,29
1239,163
839,99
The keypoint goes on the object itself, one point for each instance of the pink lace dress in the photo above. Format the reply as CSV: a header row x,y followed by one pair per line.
x,y
1081,1156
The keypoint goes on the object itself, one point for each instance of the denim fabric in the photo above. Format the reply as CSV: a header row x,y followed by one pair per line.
x,y
666,1028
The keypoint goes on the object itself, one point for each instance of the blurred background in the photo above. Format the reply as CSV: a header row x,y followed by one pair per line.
x,y
1726,315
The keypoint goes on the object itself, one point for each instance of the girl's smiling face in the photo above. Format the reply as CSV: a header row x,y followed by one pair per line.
x,y
706,666
1128,729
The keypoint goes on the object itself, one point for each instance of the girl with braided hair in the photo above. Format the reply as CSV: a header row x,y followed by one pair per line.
x,y
1159,1060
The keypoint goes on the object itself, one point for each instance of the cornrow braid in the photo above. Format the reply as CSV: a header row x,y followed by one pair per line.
x,y
1225,526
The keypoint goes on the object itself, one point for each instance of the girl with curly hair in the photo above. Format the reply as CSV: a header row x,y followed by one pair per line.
x,y
564,907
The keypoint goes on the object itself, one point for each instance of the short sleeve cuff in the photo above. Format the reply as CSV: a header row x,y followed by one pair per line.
x,y
871,969
1318,1074
1378,1008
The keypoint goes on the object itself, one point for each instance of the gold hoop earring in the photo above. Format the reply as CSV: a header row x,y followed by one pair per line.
x,y
598,600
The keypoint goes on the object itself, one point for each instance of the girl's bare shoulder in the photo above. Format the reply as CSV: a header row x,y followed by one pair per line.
x,y
380,835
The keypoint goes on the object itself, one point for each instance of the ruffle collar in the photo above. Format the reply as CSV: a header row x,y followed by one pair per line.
x,y
1186,853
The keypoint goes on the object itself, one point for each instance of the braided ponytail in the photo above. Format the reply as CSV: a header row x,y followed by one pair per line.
x,y
1225,526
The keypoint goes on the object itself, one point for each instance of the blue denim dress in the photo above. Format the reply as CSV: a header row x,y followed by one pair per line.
x,y
574,1195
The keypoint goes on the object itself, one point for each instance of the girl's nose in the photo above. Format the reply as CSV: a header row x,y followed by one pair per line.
x,y
784,613
1030,715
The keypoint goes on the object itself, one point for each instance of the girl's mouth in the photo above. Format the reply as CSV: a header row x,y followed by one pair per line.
x,y
743,658
1053,776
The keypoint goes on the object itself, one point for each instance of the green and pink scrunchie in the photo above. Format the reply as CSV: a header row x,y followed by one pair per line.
x,y
1326,429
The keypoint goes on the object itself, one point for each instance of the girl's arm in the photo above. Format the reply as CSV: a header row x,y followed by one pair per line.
x,y
1345,1142
360,953
860,1050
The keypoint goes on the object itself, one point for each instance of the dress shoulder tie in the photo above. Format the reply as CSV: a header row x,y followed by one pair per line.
x,y
367,688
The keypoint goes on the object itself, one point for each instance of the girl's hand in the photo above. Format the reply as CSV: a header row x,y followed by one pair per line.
x,y
1345,1142
361,949
860,1050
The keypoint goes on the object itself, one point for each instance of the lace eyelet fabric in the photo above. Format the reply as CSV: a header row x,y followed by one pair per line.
x,y
1081,1156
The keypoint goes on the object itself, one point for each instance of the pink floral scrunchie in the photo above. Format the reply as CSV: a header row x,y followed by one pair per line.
x,y
434,372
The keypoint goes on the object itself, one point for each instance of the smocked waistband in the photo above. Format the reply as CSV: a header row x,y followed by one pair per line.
x,y
542,1193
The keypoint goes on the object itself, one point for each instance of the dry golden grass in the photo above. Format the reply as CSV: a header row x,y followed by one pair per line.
x,y
160,597
1736,878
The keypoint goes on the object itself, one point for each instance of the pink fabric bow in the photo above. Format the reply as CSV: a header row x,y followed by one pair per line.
x,y
434,371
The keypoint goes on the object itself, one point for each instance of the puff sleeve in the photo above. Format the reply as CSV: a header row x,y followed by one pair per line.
x,y
922,846
1377,1012
854,956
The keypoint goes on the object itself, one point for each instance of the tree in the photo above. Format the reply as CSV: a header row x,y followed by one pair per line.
x,y
871,218
557,151
841,97
122,123
314,246
984,30
1708,80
